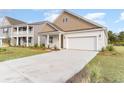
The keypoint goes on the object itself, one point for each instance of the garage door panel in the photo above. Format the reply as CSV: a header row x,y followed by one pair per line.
x,y
83,43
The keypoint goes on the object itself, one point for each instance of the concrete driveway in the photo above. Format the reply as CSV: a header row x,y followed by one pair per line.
x,y
57,66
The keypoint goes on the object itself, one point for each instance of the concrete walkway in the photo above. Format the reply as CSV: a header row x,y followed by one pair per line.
x,y
49,67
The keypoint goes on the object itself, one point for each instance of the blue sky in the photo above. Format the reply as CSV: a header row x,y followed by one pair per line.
x,y
111,18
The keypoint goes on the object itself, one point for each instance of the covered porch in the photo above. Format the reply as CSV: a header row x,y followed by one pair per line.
x,y
52,40
22,41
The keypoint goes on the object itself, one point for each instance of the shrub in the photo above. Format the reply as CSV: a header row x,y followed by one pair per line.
x,y
36,45
42,46
2,49
95,75
110,48
103,49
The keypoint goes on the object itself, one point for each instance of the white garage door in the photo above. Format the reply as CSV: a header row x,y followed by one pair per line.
x,y
82,43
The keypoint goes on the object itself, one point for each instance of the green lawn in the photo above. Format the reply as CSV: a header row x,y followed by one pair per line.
x,y
107,66
17,52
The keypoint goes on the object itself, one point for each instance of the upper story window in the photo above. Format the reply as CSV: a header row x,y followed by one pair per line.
x,y
15,28
30,28
5,30
22,28
65,20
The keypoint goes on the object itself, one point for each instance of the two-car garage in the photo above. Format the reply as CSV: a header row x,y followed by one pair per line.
x,y
91,40
82,43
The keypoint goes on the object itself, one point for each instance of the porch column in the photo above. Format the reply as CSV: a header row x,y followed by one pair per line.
x,y
17,38
59,40
11,41
27,44
17,30
47,43
27,29
38,40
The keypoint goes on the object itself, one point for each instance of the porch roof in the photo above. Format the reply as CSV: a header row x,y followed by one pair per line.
x,y
54,28
50,33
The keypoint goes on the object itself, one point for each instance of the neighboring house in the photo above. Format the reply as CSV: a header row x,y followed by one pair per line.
x,y
68,31
6,29
18,32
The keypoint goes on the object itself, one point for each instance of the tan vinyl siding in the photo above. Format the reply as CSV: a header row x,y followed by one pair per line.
x,y
41,28
73,23
46,28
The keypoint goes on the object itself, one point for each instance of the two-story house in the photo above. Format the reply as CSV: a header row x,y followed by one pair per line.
x,y
18,33
6,28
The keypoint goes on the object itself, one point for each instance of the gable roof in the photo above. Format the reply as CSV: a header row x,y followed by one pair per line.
x,y
83,18
46,22
51,25
54,26
13,21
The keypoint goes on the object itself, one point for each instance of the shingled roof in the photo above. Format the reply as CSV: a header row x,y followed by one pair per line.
x,y
8,21
14,21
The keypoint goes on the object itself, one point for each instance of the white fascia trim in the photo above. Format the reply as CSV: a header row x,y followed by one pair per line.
x,y
19,25
57,32
53,26
82,31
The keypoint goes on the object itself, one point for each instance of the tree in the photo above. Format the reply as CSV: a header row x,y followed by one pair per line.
x,y
112,37
121,36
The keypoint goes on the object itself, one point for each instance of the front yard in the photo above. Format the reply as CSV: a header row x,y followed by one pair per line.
x,y
18,52
108,66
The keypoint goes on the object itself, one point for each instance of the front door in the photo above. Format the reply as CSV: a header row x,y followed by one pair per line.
x,y
62,41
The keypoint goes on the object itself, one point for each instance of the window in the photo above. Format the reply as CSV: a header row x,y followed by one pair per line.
x,y
65,20
24,28
5,30
15,28
51,39
24,39
29,39
30,28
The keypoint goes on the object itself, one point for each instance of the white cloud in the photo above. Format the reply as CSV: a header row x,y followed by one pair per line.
x,y
120,29
51,15
97,17
121,18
